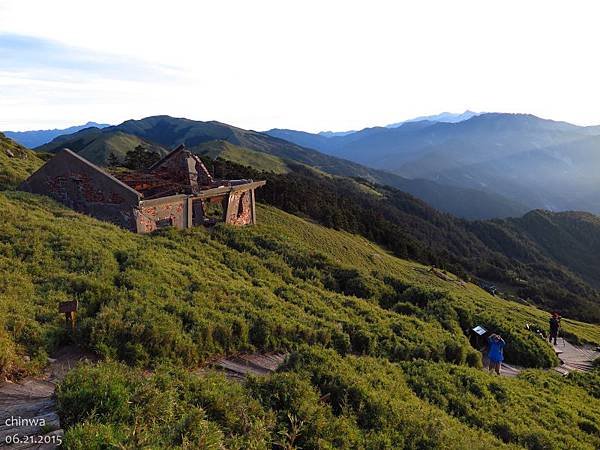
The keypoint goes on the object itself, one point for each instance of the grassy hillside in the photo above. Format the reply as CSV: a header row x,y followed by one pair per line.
x,y
565,234
379,357
146,298
152,302
240,155
346,248
16,163
118,144
74,141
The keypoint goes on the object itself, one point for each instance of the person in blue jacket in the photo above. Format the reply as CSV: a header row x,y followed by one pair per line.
x,y
495,352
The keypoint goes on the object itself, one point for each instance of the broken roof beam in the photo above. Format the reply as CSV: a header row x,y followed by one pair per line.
x,y
227,189
208,193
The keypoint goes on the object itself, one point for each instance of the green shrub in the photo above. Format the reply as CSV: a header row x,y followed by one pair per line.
x,y
98,436
194,431
103,395
124,407
8,355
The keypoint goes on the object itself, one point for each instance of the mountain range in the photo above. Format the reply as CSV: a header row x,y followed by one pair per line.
x,y
161,133
35,138
447,117
539,163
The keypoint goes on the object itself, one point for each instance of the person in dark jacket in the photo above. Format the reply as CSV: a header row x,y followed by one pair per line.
x,y
554,327
495,352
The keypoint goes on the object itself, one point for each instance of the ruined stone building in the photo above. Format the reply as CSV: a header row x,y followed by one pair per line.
x,y
177,191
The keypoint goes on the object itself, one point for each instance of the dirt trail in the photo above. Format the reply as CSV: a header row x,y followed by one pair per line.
x,y
28,409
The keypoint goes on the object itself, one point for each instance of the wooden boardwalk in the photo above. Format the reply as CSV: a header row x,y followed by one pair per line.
x,y
240,366
573,358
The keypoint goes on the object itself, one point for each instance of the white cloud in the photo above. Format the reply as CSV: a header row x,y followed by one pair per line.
x,y
319,65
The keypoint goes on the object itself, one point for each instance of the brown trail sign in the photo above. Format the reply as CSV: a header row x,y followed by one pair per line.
x,y
69,309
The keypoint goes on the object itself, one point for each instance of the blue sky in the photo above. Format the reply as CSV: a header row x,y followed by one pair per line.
x,y
43,59
46,59
308,65
40,78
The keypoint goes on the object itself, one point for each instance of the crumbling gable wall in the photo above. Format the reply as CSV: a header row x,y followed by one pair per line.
x,y
84,187
183,167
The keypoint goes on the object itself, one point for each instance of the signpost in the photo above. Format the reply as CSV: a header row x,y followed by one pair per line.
x,y
69,309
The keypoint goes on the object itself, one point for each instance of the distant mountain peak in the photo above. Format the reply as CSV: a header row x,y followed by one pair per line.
x,y
445,117
335,133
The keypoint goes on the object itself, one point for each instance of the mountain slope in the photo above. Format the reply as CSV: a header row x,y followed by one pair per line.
x,y
569,238
308,277
16,163
117,144
97,145
413,230
277,286
244,156
35,138
169,132
555,266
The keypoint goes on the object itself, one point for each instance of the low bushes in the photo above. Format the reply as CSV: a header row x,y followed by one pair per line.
x,y
319,401
537,410
112,405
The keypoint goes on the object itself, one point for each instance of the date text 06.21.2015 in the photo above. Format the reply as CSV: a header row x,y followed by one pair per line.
x,y
33,439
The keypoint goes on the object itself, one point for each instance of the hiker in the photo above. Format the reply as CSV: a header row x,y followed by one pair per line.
x,y
554,327
495,352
